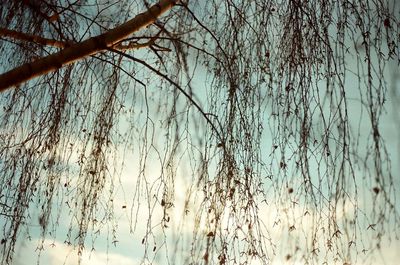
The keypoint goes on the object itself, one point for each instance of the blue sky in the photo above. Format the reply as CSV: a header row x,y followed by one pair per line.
x,y
127,247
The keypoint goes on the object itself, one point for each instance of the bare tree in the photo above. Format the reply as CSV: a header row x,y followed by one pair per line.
x,y
261,101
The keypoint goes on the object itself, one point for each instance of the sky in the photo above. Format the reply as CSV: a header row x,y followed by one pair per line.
x,y
128,247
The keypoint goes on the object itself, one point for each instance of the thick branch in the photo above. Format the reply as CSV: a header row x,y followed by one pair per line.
x,y
31,38
83,49
16,35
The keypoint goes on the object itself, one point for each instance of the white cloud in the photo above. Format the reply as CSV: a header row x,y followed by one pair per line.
x,y
55,252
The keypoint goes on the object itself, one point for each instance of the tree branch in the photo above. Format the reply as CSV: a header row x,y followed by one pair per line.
x,y
190,98
83,49
16,35
31,38
135,44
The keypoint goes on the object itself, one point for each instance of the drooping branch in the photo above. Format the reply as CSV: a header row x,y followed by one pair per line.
x,y
83,49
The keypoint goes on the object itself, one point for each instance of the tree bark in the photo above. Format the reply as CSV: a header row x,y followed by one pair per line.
x,y
83,49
